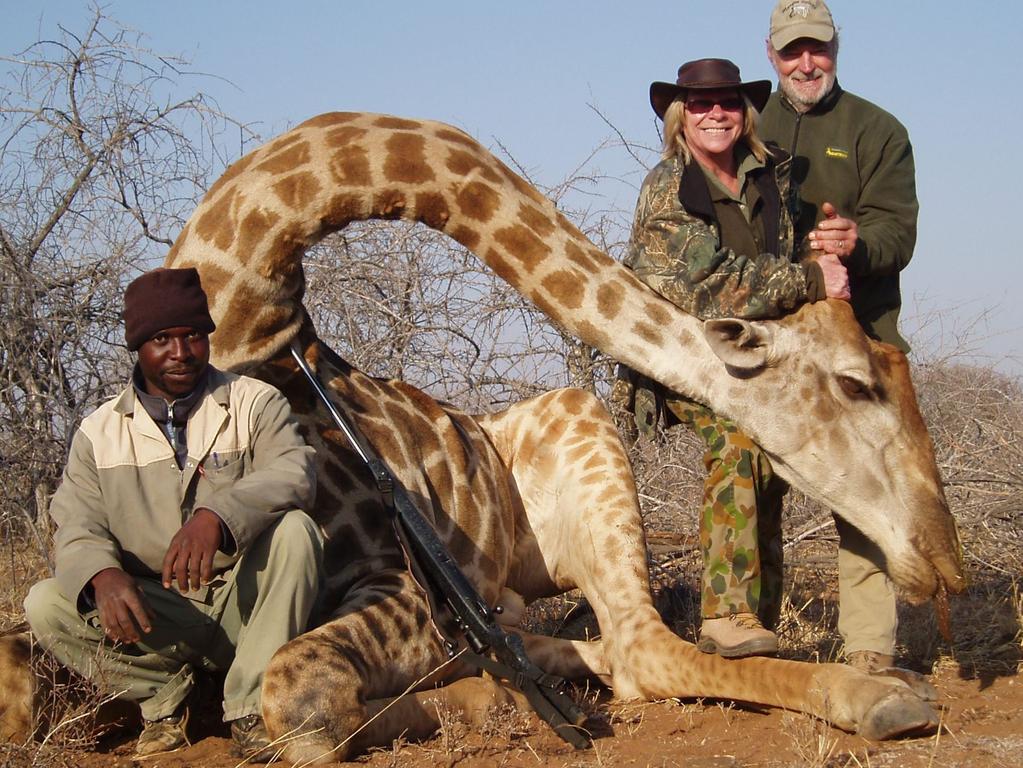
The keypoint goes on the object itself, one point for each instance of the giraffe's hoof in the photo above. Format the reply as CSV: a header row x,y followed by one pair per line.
x,y
899,713
917,682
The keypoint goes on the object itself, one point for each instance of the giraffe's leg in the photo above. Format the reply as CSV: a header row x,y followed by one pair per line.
x,y
21,689
579,497
320,688
418,715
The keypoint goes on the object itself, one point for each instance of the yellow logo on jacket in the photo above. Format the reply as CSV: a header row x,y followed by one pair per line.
x,y
841,154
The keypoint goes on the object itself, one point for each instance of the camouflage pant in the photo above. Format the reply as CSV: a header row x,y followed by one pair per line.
x,y
740,525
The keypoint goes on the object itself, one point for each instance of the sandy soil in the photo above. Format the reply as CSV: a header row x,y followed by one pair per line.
x,y
982,728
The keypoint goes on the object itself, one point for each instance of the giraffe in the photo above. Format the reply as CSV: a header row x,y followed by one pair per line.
x,y
539,498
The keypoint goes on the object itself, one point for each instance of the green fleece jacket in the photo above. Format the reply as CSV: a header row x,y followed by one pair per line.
x,y
853,154
123,497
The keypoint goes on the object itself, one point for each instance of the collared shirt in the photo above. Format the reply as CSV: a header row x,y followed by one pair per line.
x,y
747,163
741,226
172,418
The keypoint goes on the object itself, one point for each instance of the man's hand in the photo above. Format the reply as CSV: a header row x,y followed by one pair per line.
x,y
189,557
123,609
836,278
835,234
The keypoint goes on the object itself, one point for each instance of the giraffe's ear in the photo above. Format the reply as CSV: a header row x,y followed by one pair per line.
x,y
742,346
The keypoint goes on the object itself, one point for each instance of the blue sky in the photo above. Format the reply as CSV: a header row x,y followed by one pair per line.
x,y
526,74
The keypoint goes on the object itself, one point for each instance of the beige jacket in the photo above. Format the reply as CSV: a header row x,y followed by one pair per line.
x,y
123,497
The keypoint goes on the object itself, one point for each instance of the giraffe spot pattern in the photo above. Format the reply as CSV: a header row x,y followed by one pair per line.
x,y
467,236
284,263
406,161
572,401
465,164
649,333
344,135
432,209
330,118
478,201
456,137
233,325
262,325
344,208
594,478
297,190
217,225
657,314
252,233
523,245
610,298
285,160
349,166
578,256
536,220
567,288
397,123
598,336
390,203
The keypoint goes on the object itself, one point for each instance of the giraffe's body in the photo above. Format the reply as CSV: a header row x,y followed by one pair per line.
x,y
540,498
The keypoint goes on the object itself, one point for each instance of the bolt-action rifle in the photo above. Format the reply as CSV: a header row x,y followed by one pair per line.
x,y
446,580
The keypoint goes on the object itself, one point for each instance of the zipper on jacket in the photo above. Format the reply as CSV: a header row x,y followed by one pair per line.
x,y
795,132
795,201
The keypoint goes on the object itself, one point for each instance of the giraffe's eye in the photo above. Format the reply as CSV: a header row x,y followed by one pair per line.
x,y
854,388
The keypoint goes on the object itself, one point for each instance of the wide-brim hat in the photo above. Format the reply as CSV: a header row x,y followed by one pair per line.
x,y
707,75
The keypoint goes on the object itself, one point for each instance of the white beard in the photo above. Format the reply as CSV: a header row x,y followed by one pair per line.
x,y
804,100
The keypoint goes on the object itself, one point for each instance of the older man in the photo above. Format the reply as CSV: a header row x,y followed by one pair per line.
x,y
180,543
854,195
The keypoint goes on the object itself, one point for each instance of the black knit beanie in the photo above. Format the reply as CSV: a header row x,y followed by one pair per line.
x,y
161,299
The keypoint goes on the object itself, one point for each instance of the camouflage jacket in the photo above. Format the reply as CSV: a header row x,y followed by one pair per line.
x,y
678,252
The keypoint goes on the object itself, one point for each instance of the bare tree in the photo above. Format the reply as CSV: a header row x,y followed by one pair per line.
x,y
100,162
406,302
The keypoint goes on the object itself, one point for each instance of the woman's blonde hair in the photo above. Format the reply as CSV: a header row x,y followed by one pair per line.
x,y
675,140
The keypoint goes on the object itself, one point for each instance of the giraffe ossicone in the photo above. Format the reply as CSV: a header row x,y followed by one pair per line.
x,y
539,498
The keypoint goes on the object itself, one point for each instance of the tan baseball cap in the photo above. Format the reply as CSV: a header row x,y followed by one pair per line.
x,y
793,19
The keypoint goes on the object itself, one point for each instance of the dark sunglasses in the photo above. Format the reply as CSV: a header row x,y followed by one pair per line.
x,y
703,104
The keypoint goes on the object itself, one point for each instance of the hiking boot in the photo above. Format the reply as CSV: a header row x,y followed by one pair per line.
x,y
869,661
737,635
252,740
164,735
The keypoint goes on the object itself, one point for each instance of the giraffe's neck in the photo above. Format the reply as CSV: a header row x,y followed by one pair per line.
x,y
248,236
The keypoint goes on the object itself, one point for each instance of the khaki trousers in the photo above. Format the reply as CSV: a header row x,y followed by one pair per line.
x,y
867,616
234,625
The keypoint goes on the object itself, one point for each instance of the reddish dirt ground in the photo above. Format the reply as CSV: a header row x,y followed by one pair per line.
x,y
982,728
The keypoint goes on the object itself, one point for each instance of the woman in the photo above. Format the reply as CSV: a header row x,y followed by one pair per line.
x,y
712,235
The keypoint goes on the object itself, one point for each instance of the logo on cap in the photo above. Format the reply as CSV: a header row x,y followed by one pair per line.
x,y
801,9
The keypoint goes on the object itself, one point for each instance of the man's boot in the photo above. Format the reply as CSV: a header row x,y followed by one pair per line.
x,y
869,661
166,734
736,636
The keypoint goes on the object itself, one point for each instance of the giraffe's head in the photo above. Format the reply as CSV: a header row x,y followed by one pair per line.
x,y
837,414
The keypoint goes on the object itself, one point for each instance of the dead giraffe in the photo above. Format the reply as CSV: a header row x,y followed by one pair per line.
x,y
540,498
